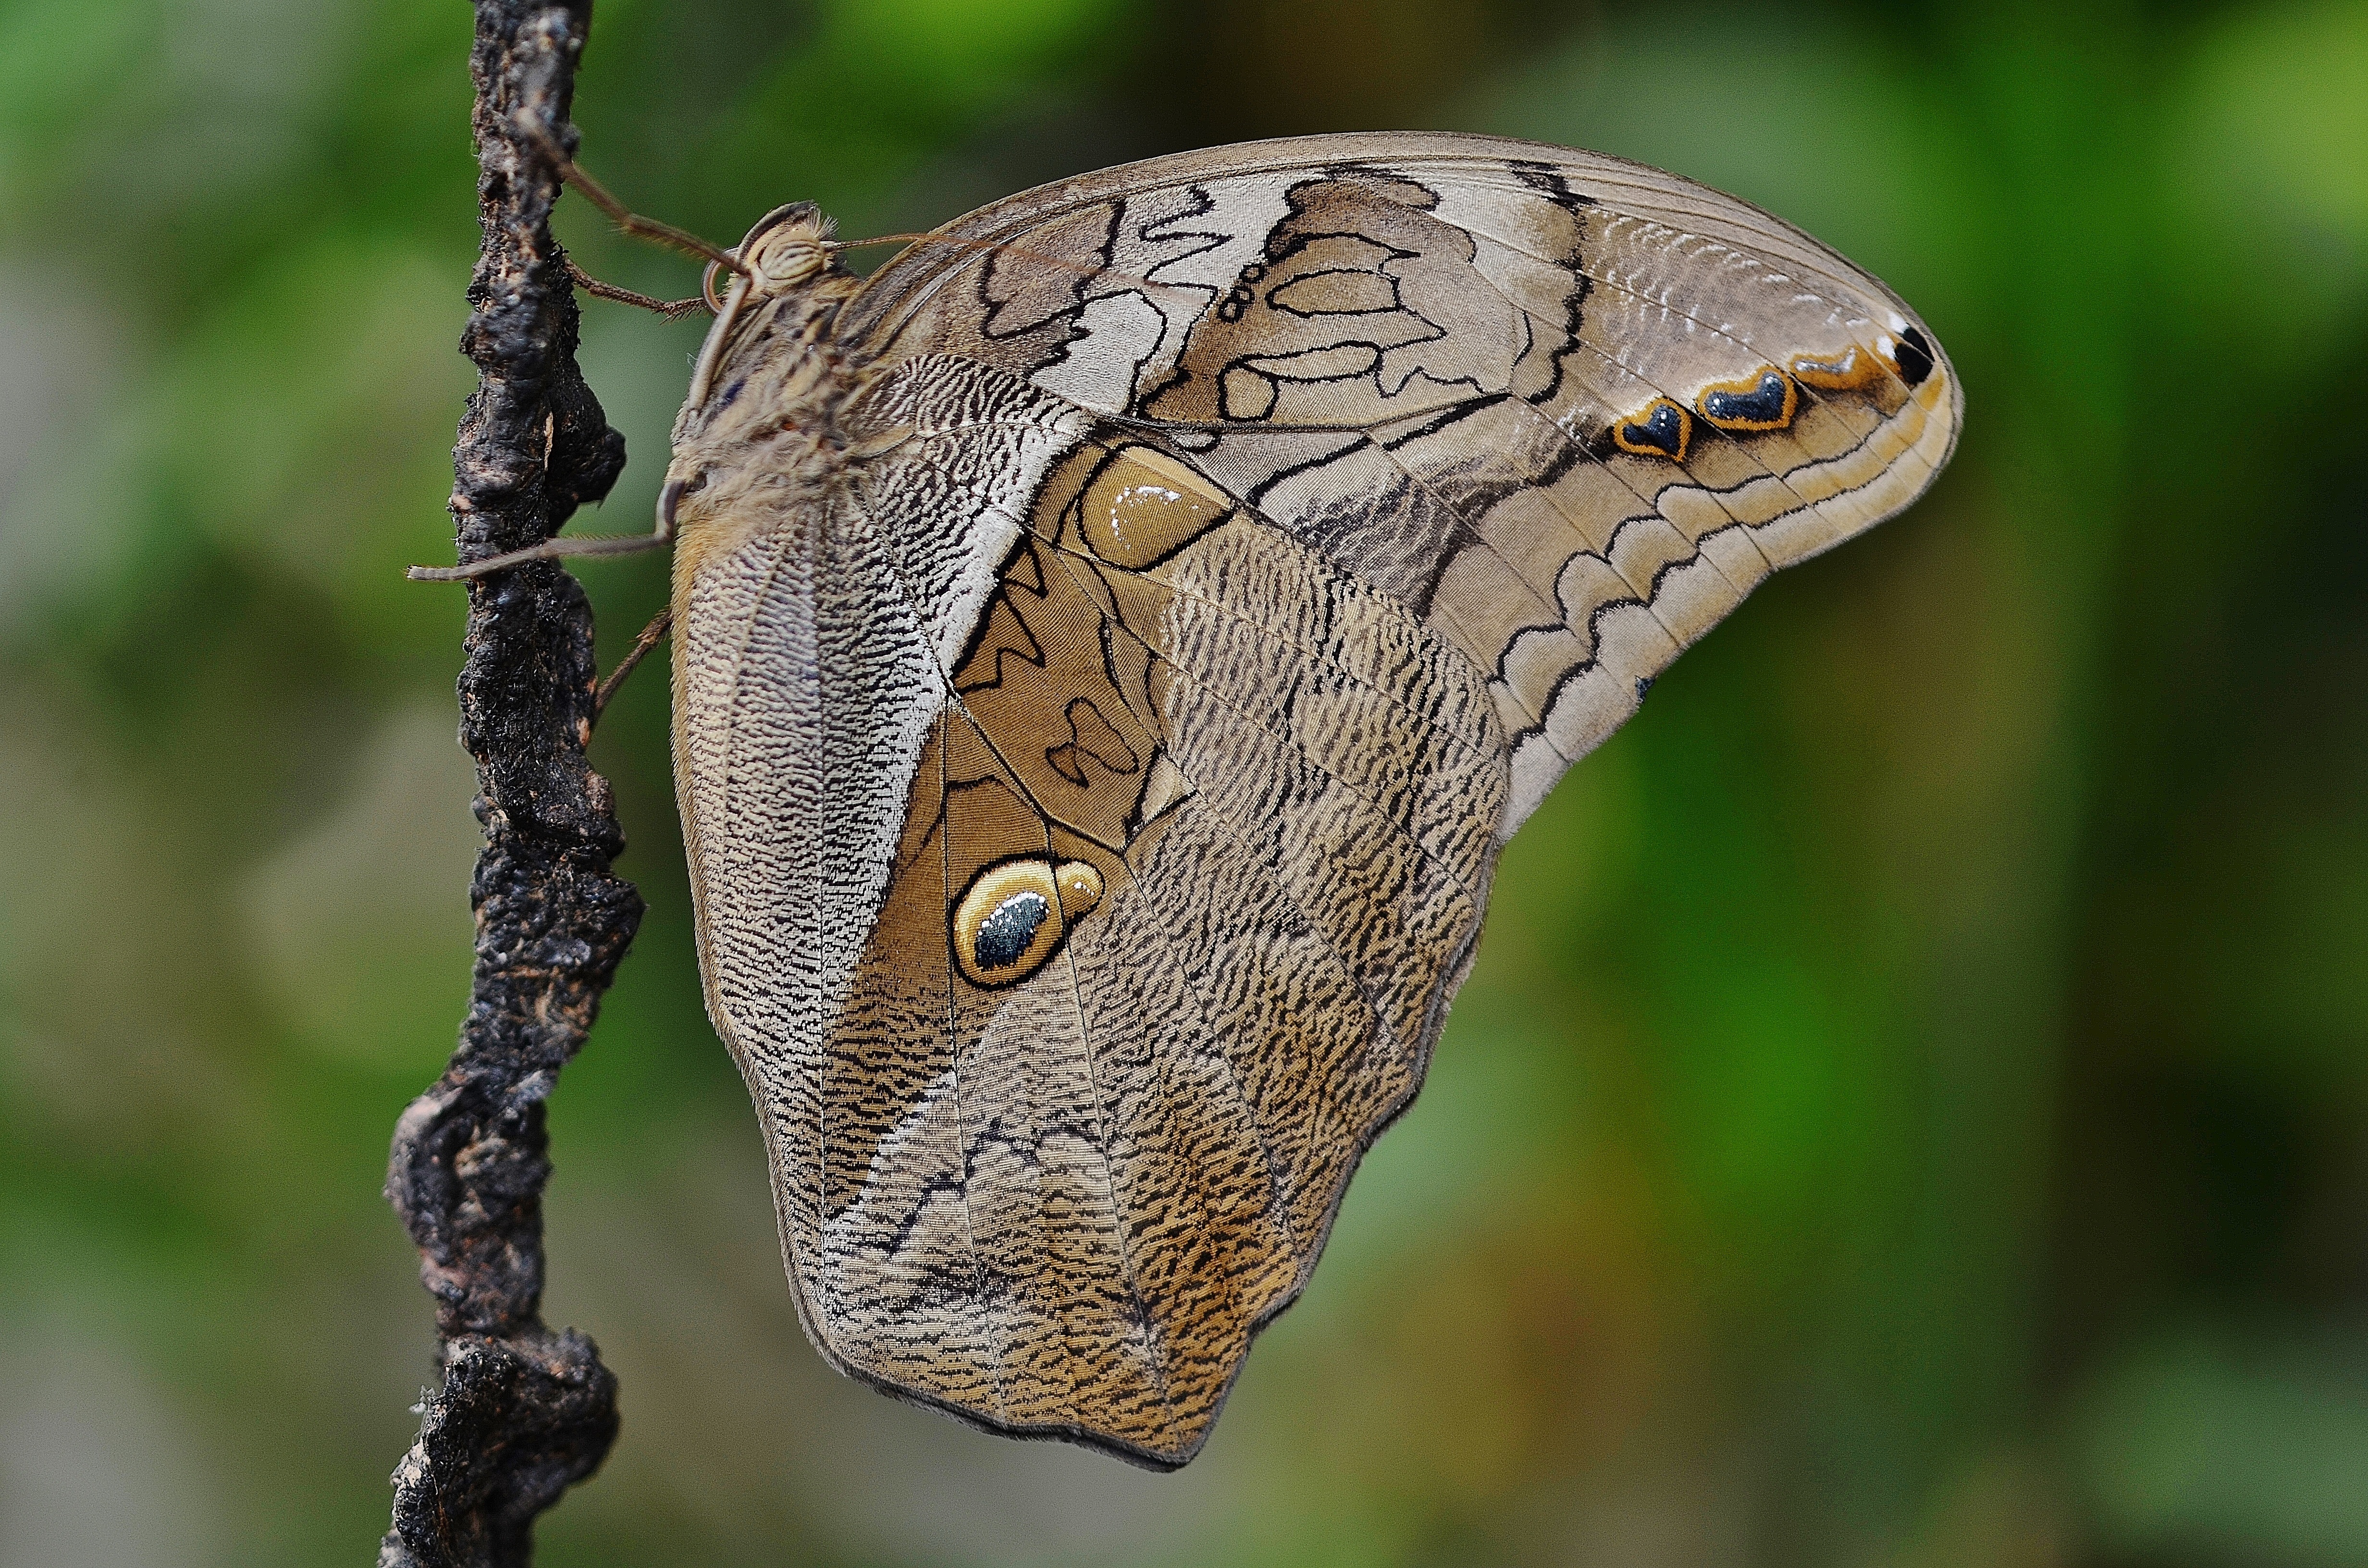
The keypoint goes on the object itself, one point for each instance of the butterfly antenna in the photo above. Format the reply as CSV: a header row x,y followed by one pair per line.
x,y
631,222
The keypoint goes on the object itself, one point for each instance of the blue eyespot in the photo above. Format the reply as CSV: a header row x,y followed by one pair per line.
x,y
1002,936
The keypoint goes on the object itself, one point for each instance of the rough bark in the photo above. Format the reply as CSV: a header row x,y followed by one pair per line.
x,y
524,1411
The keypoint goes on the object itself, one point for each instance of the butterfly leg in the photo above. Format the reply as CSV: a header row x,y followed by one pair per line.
x,y
652,635
672,309
579,544
548,550
534,130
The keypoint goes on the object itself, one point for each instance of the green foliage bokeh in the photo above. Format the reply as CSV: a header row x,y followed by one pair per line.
x,y
1912,1105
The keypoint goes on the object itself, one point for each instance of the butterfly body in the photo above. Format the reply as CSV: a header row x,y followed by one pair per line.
x,y
1114,644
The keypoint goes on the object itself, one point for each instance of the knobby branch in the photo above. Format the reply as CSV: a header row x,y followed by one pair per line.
x,y
523,1410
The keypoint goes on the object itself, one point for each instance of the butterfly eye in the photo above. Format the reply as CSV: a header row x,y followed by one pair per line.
x,y
785,257
1015,914
792,264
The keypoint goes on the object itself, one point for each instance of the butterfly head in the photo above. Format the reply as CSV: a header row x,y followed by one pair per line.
x,y
790,246
788,253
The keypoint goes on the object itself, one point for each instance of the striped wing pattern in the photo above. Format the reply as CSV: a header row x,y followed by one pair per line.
x,y
1093,799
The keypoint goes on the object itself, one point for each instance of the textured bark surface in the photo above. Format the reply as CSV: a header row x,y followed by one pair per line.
x,y
524,1411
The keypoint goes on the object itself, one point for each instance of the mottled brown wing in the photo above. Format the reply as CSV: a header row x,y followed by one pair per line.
x,y
1082,865
1093,802
1566,409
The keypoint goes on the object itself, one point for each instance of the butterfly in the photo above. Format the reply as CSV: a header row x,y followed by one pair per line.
x,y
1114,642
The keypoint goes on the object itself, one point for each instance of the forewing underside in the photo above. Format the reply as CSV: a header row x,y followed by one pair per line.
x,y
1567,410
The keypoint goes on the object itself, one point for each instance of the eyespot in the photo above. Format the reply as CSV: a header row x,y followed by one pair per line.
x,y
1144,506
1908,355
1660,430
1849,370
1912,355
1764,402
1014,914
1004,933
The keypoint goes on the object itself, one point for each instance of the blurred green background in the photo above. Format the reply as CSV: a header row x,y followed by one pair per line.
x,y
1912,1106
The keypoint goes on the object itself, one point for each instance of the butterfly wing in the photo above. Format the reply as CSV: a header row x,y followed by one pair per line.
x,y
1567,408
1093,806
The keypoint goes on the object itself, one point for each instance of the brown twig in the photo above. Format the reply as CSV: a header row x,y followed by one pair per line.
x,y
523,1410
